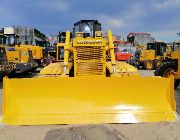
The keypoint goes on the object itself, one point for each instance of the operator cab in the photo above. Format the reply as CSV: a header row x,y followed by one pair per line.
x,y
159,47
61,38
12,40
176,46
87,27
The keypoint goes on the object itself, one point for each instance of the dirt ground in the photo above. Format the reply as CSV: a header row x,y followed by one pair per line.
x,y
140,131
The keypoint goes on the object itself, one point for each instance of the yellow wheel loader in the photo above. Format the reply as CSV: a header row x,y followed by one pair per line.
x,y
85,88
171,66
151,57
22,58
37,52
19,55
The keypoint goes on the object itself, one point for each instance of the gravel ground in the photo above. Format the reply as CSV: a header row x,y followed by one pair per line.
x,y
140,131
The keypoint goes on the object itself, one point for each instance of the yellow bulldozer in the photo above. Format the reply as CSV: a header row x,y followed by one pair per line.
x,y
86,88
171,66
151,57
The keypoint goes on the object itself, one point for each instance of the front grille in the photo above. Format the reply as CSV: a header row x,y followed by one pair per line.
x,y
89,53
89,60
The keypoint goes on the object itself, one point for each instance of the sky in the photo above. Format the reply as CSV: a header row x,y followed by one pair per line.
x,y
160,18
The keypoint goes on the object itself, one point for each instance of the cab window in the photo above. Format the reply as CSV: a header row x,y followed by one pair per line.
x,y
176,46
60,53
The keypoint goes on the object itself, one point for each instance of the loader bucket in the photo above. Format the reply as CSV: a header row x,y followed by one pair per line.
x,y
84,100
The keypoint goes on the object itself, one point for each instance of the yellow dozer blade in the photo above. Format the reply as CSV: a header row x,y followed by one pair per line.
x,y
55,69
84,100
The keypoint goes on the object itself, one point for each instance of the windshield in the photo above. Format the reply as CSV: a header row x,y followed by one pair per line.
x,y
62,37
11,40
159,48
2,40
2,56
151,46
176,46
60,53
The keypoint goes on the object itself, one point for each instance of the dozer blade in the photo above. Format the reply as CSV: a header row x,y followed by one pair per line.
x,y
84,100
55,69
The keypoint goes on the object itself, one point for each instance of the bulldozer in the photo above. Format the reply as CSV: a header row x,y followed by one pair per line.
x,y
170,67
86,88
150,58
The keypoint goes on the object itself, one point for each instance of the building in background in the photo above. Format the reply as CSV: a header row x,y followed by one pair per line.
x,y
26,35
140,38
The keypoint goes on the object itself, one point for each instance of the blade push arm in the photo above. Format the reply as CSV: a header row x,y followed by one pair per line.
x,y
66,51
111,50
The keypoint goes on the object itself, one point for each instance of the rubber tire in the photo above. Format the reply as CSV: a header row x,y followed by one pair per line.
x,y
164,66
145,65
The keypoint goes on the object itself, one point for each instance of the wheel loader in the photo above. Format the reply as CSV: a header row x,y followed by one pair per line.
x,y
170,67
37,52
22,58
19,55
151,57
85,88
